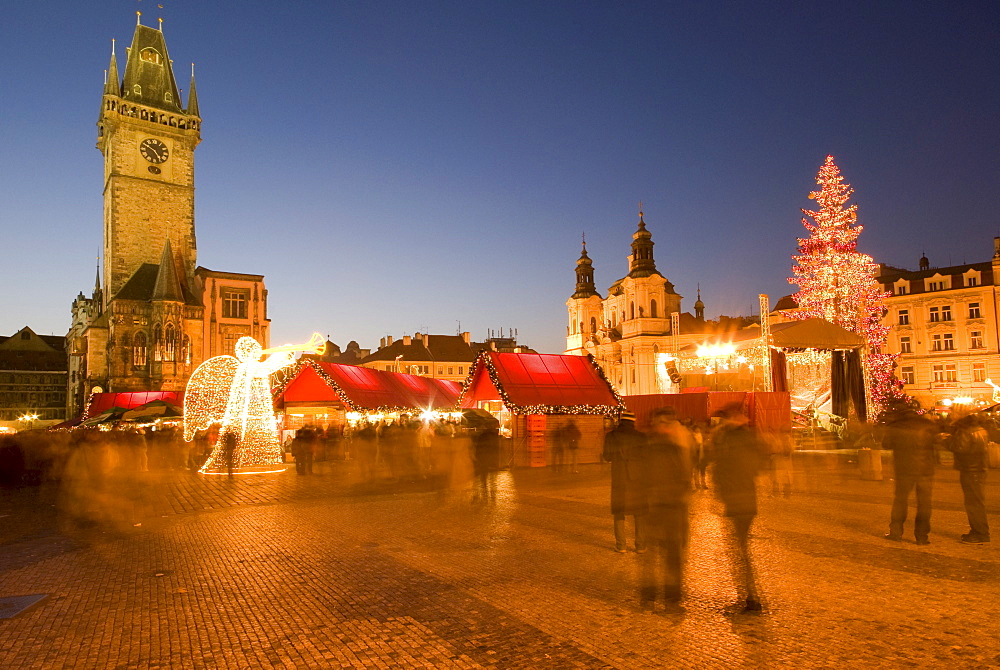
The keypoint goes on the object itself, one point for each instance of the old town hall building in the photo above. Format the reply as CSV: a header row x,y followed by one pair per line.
x,y
154,314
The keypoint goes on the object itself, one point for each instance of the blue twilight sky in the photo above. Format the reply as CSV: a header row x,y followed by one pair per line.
x,y
393,167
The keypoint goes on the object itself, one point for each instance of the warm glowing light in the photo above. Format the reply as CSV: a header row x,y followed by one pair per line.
x,y
996,390
235,393
716,350
963,400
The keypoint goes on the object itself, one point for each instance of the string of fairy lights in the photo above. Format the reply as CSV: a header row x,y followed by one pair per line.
x,y
485,360
837,282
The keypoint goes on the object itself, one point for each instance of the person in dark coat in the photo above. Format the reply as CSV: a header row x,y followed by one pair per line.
x,y
229,451
737,455
968,442
666,477
486,462
911,438
624,449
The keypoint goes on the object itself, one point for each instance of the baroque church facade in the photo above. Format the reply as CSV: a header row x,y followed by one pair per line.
x,y
154,314
635,331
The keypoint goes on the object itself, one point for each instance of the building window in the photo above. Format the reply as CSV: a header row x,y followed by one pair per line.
x,y
451,371
946,313
972,281
460,368
631,310
974,311
169,343
944,372
234,303
935,315
652,308
979,372
943,342
938,314
139,349
157,343
976,339
904,317
593,324
901,289
151,55
904,345
935,286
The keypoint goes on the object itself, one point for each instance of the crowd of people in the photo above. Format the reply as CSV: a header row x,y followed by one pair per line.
x,y
652,476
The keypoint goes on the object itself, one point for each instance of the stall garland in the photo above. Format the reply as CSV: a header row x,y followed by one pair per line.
x,y
485,359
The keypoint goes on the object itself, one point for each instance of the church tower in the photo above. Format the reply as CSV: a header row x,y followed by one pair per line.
x,y
148,141
584,308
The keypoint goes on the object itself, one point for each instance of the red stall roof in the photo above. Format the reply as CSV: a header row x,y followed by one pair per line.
x,y
541,384
100,402
366,390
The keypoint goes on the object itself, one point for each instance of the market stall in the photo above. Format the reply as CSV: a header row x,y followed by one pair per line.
x,y
538,398
333,395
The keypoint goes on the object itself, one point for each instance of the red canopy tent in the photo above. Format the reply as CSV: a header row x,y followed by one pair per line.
x,y
536,395
100,402
363,389
540,384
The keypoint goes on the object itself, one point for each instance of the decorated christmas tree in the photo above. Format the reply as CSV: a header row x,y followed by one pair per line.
x,y
837,282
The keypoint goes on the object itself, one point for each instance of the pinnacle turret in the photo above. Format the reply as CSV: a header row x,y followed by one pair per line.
x,y
167,286
192,104
584,275
113,84
641,262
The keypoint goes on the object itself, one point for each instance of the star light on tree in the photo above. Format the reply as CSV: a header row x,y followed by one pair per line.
x,y
837,282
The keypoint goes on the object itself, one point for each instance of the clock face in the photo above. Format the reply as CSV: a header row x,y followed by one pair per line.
x,y
153,150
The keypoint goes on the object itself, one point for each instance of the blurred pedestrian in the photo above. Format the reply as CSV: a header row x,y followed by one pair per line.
x,y
666,477
572,436
486,462
229,451
780,445
302,450
737,455
624,449
968,442
911,438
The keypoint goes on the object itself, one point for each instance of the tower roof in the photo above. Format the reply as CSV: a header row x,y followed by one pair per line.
x,y
149,74
167,286
642,263
584,275
113,86
192,104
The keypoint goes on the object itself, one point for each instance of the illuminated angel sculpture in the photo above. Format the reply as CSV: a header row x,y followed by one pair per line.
x,y
235,392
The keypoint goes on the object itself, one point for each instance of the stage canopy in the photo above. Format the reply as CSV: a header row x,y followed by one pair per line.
x,y
804,334
366,390
540,384
101,402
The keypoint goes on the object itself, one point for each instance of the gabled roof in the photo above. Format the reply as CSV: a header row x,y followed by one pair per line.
x,y
444,348
99,402
142,286
367,390
541,384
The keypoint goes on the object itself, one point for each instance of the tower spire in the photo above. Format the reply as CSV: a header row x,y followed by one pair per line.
x,y
192,105
699,306
584,274
112,83
642,263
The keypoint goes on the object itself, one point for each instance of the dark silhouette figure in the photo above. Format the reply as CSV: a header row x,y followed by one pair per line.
x,y
487,462
302,450
572,436
624,448
666,477
229,451
911,437
968,441
738,456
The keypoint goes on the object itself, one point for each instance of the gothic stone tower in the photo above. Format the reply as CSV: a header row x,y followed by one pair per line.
x,y
148,141
143,330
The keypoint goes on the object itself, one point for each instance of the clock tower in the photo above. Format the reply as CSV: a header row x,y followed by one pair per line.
x,y
148,141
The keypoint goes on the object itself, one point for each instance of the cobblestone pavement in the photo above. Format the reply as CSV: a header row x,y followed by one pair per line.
x,y
172,570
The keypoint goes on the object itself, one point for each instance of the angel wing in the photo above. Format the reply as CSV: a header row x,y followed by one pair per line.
x,y
208,393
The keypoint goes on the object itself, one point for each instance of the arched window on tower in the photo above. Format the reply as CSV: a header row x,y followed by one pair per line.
x,y
186,350
169,343
157,343
652,308
581,327
593,324
139,349
631,310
